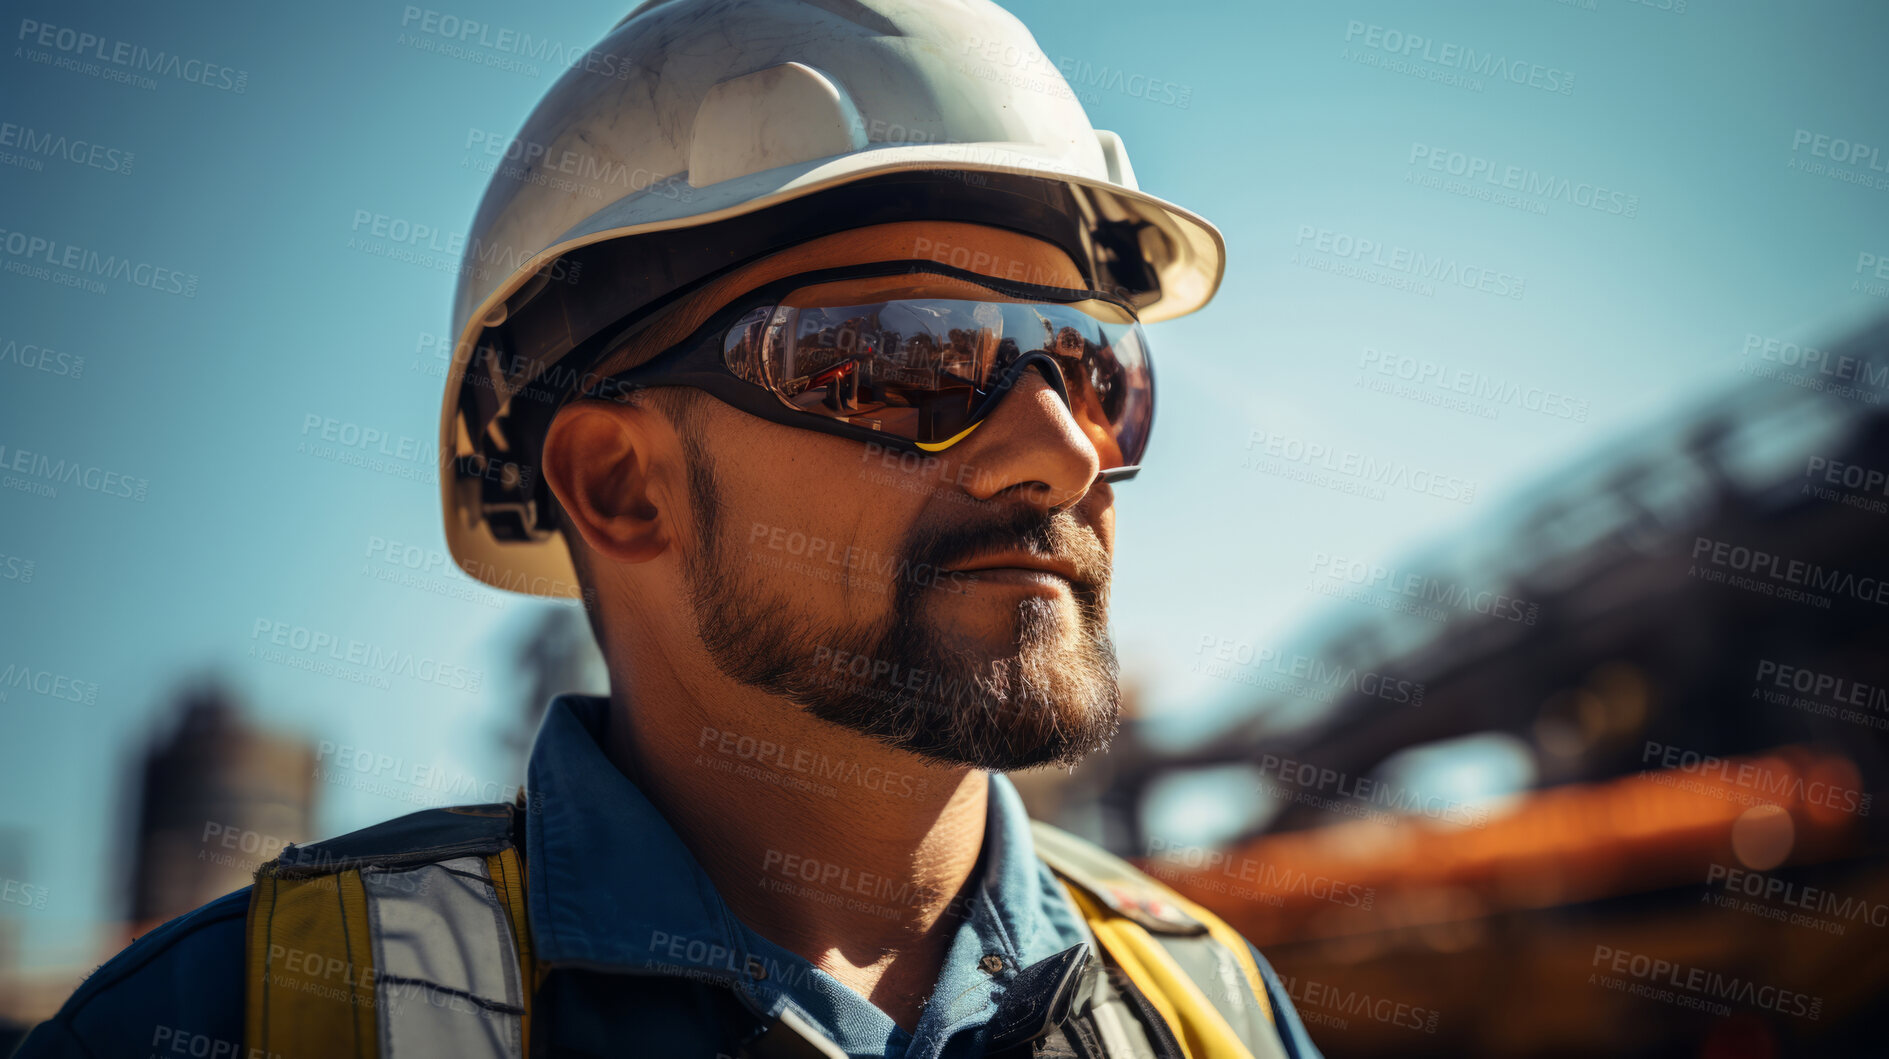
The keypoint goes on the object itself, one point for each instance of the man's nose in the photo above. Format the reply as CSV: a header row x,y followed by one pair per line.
x,y
1030,441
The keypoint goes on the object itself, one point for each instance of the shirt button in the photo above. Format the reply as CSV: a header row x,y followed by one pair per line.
x,y
992,963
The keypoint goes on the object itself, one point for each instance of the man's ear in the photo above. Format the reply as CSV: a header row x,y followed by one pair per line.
x,y
600,461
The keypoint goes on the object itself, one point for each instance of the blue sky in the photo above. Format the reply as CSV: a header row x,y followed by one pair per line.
x,y
1308,131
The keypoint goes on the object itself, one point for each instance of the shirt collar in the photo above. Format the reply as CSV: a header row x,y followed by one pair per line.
x,y
612,887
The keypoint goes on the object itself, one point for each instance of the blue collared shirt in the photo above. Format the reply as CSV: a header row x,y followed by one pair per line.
x,y
613,886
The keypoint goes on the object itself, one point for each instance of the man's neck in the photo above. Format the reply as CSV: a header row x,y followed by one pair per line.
x,y
830,844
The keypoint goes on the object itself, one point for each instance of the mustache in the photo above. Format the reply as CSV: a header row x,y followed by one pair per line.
x,y
1041,534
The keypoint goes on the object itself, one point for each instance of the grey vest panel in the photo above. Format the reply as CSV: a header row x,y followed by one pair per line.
x,y
447,978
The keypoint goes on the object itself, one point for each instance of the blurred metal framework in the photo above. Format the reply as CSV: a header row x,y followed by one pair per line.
x,y
1495,927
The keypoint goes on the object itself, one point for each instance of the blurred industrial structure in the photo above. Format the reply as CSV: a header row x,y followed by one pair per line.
x,y
209,800
215,795
1682,648
218,797
556,654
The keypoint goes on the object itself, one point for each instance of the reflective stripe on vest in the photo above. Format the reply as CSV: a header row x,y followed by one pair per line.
x,y
418,943
390,963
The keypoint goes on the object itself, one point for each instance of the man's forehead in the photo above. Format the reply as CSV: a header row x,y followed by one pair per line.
x,y
995,252
860,289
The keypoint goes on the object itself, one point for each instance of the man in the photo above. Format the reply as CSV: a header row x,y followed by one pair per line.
x,y
829,452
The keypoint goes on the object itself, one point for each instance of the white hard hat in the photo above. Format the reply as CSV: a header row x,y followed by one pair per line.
x,y
701,134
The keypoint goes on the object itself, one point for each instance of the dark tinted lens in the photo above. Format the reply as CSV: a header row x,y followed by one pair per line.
x,y
918,369
1105,370
913,369
1126,382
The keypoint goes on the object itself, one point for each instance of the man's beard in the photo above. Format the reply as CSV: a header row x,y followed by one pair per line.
x,y
899,681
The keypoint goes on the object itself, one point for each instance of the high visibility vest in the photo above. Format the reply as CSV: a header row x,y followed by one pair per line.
x,y
411,938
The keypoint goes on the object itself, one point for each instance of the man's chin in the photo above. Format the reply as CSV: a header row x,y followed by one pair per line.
x,y
1011,751
961,702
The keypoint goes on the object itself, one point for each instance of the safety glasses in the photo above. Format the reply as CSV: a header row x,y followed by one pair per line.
x,y
915,373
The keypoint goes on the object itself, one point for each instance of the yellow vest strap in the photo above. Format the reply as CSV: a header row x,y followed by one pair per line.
x,y
311,968
1200,1030
1196,971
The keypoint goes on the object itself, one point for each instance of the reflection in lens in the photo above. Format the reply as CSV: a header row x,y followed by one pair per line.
x,y
921,368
